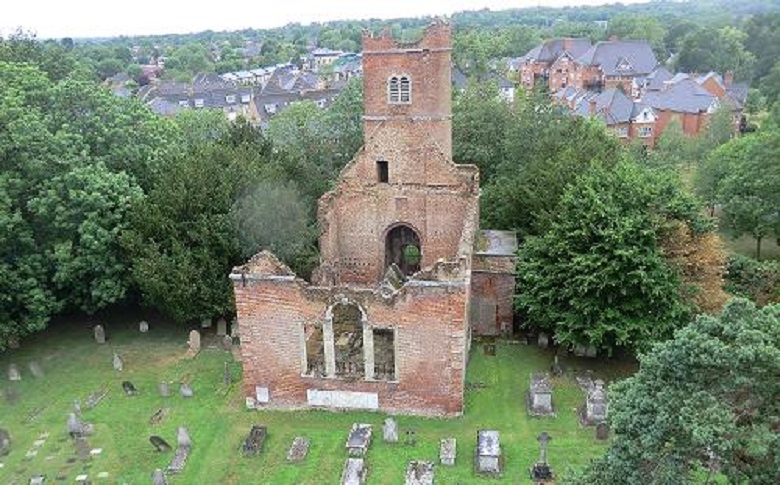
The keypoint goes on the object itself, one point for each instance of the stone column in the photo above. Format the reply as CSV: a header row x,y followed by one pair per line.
x,y
330,351
368,350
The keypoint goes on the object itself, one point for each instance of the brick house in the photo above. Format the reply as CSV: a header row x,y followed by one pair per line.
x,y
538,62
384,323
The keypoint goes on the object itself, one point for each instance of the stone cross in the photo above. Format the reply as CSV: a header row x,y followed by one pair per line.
x,y
100,334
544,440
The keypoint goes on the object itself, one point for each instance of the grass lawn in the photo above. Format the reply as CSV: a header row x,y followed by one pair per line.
x,y
75,367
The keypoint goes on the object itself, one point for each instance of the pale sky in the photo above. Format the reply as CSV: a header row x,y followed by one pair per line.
x,y
101,18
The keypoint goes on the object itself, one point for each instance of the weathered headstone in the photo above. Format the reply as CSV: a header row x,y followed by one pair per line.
x,y
359,439
82,448
129,388
13,373
77,406
10,395
591,351
95,398
205,323
182,451
448,450
5,442
159,443
488,457
118,362
226,377
227,343
541,473
82,479
253,443
390,431
543,340
540,396
35,369
100,334
299,449
165,389
221,327
234,328
186,390
355,472
556,369
596,403
159,416
75,428
143,326
579,350
194,343
183,437
37,479
158,477
602,431
419,473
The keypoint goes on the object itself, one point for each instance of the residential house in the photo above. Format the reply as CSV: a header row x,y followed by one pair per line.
x,y
538,62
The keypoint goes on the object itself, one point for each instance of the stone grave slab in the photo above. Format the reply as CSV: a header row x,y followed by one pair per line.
x,y
165,389
540,401
158,478
94,399
159,416
419,473
354,472
602,431
299,449
448,449
359,439
179,460
5,442
253,443
193,343
221,327
488,460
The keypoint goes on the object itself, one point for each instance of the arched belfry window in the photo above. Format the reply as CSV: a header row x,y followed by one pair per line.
x,y
399,89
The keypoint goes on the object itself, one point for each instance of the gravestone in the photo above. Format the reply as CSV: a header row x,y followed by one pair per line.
x,y
602,431
37,479
299,449
226,377
183,437
253,443
221,327
540,396
11,396
186,390
13,342
82,480
95,398
77,406
194,343
234,328
227,343
13,373
355,472
359,439
448,449
82,448
488,458
5,442
390,431
158,477
596,404
556,369
579,350
75,428
591,351
100,334
129,388
541,473
117,362
205,323
159,443
411,437
419,473
36,370
543,340
143,327
165,389
159,416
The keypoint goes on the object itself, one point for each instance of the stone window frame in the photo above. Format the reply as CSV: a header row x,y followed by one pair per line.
x,y
399,89
329,345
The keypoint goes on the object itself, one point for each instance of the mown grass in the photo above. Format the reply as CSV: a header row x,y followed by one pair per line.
x,y
75,367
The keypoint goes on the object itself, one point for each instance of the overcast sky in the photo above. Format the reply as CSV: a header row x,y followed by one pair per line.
x,y
101,18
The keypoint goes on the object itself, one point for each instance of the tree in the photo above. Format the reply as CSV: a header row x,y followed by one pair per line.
x,y
598,276
720,50
750,188
707,399
641,27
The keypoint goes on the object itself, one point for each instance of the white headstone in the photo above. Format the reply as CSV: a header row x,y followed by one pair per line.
x,y
194,342
143,327
183,437
117,361
100,334
205,323
13,373
221,327
261,395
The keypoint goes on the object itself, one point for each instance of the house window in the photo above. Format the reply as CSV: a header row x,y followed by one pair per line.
x,y
621,131
184,103
382,172
230,98
199,103
645,131
399,90
244,98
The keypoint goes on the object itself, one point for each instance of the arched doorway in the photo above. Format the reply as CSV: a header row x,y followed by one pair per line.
x,y
402,247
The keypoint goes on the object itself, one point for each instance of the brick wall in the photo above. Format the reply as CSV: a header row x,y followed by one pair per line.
x,y
492,278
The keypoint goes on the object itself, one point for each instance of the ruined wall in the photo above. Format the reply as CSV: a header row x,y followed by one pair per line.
x,y
493,280
431,332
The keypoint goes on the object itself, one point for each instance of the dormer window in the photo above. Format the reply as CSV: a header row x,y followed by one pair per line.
x,y
399,90
230,98
199,103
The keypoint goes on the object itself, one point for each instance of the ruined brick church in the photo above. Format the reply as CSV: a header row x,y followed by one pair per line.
x,y
405,277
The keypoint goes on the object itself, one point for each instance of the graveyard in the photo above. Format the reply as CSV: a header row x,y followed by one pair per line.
x,y
74,415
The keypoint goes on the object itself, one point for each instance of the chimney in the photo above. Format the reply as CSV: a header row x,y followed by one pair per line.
x,y
592,106
728,78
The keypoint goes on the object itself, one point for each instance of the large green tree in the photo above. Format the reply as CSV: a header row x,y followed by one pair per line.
x,y
598,275
707,400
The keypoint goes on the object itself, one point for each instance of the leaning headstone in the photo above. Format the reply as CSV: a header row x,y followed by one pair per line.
x,y
448,449
540,396
602,431
359,439
129,388
488,457
100,334
253,444
5,442
355,472
299,449
36,370
543,340
158,477
227,343
390,431
13,373
143,327
159,443
117,362
419,473
183,437
164,388
186,390
194,343
221,327
182,451
541,472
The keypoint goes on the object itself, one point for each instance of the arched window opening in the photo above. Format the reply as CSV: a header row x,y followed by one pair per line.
x,y
399,90
402,248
